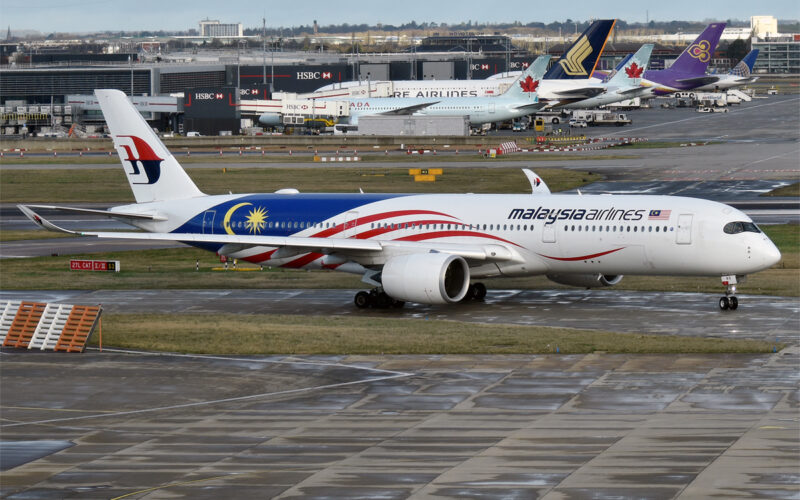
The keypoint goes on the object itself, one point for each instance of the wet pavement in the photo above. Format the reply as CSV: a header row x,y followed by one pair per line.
x,y
544,426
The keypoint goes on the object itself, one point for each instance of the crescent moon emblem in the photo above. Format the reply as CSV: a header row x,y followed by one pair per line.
x,y
226,222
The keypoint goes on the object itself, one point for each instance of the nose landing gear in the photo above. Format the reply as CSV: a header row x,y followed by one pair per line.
x,y
729,301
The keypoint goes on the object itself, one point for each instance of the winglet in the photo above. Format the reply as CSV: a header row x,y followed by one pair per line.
x,y
44,222
538,186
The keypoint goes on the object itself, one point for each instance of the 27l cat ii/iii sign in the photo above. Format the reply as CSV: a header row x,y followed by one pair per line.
x,y
94,265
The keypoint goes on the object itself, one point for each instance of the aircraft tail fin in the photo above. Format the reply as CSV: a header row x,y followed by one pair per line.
x,y
631,72
580,60
153,173
695,58
526,85
745,66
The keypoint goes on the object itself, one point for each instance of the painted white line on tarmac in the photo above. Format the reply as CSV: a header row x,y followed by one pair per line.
x,y
388,376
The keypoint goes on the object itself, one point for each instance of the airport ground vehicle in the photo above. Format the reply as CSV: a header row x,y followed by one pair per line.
x,y
429,248
573,122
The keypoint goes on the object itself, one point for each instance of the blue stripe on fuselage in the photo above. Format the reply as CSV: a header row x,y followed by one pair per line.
x,y
283,208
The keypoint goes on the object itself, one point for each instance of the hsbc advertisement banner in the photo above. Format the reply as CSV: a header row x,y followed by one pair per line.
x,y
219,102
484,68
300,78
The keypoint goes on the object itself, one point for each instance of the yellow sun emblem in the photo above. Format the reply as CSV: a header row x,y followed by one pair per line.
x,y
256,220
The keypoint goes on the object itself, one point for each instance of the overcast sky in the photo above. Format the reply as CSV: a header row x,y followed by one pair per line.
x,y
50,16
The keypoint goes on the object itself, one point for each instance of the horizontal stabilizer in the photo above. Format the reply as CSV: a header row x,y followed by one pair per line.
x,y
699,81
107,213
585,92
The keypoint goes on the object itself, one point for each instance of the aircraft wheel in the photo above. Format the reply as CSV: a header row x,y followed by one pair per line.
x,y
470,294
398,304
362,300
734,303
724,303
480,291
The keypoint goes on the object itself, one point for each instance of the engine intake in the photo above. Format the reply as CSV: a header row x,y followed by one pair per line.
x,y
585,280
427,278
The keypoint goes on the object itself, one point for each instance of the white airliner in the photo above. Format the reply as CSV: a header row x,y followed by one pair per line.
x,y
625,84
518,100
429,248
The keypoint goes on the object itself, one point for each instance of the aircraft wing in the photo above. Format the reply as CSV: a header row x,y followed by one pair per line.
x,y
700,80
535,106
493,252
409,110
585,92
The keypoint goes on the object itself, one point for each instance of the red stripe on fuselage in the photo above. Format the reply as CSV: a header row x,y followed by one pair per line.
x,y
448,234
582,257
375,217
260,257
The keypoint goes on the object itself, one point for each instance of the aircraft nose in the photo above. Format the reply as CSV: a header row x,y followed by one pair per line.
x,y
770,253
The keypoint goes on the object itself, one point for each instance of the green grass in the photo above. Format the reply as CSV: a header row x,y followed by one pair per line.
x,y
790,190
110,185
318,335
33,234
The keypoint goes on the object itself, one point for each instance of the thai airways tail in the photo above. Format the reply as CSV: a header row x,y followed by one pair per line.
x,y
580,60
153,173
631,73
745,66
526,85
695,58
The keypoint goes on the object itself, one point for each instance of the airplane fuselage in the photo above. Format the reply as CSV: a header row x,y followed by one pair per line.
x,y
653,235
480,110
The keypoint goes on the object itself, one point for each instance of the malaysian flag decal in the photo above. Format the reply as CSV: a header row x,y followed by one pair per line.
x,y
659,215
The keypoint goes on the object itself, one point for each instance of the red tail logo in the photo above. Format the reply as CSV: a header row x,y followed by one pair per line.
x,y
529,84
634,71
147,158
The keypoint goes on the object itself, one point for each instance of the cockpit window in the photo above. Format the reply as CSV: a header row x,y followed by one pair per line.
x,y
740,227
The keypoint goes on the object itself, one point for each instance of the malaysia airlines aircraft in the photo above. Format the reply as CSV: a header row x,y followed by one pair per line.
x,y
566,81
429,249
519,100
624,84
741,74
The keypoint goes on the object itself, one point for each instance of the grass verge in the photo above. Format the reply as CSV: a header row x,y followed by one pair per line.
x,y
790,190
310,335
104,185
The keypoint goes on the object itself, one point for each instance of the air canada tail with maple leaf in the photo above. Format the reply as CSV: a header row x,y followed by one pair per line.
x,y
631,73
527,84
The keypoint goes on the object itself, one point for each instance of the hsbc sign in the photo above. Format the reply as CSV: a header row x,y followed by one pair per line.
x,y
314,75
208,96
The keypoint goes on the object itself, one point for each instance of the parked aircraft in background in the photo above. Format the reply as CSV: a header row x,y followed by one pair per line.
x,y
624,84
568,79
689,70
519,100
429,248
741,74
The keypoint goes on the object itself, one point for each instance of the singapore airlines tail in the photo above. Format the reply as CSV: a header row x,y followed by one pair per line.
x,y
580,60
153,173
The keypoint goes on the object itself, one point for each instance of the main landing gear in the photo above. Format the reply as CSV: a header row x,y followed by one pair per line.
x,y
476,291
729,301
376,298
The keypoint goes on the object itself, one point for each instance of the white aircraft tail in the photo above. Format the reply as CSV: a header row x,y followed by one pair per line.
x,y
526,86
631,73
153,173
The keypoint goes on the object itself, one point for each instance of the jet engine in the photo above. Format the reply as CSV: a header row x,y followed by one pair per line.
x,y
428,278
585,280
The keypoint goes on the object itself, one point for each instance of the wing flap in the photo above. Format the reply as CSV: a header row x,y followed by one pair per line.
x,y
699,81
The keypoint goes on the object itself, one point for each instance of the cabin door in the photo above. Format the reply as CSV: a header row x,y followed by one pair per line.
x,y
208,221
683,236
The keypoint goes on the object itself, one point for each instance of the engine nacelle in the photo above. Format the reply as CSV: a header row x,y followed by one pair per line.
x,y
270,119
585,280
427,278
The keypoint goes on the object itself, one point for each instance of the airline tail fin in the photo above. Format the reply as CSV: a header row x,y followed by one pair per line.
x,y
745,66
538,186
580,60
526,85
153,173
631,73
695,58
